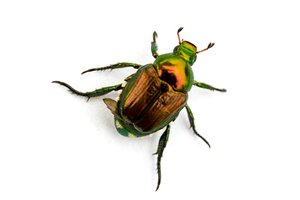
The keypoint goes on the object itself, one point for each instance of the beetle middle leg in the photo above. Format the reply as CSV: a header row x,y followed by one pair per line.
x,y
192,119
96,93
114,66
206,86
161,146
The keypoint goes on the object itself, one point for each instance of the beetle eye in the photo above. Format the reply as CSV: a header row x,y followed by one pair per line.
x,y
176,48
195,58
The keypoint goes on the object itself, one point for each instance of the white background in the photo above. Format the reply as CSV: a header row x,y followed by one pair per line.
x,y
55,145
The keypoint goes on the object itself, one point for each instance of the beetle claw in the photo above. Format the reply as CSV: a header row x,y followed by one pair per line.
x,y
154,36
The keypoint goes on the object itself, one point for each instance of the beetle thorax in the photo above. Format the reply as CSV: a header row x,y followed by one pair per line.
x,y
175,70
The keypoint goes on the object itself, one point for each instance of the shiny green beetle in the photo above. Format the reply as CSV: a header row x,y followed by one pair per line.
x,y
152,98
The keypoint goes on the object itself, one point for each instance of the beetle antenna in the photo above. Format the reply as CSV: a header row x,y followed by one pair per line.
x,y
180,29
210,45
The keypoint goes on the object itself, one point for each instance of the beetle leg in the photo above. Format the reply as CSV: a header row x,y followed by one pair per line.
x,y
114,66
96,93
161,146
191,119
206,86
154,45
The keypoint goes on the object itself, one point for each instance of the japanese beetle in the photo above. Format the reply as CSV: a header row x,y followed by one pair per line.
x,y
152,98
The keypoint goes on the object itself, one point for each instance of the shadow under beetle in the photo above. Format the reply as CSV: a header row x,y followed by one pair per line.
x,y
152,98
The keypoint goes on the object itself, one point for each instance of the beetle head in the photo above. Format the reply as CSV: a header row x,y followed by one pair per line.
x,y
187,50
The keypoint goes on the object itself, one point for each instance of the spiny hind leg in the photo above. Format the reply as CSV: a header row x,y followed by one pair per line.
x,y
96,93
114,66
161,146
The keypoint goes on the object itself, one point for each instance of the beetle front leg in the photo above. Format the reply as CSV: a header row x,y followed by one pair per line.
x,y
96,93
154,45
114,66
206,86
192,119
161,146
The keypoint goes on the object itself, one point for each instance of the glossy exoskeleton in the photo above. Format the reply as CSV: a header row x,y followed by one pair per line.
x,y
152,98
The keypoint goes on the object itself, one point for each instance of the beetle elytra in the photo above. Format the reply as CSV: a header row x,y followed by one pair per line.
x,y
153,97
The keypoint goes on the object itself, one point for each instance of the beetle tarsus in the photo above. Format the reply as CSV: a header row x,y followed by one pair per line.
x,y
161,146
154,36
96,93
72,90
221,90
192,123
201,137
207,86
154,45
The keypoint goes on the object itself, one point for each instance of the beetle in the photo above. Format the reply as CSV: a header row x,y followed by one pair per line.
x,y
152,98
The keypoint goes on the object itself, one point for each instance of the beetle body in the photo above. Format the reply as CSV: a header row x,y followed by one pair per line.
x,y
147,103
154,95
